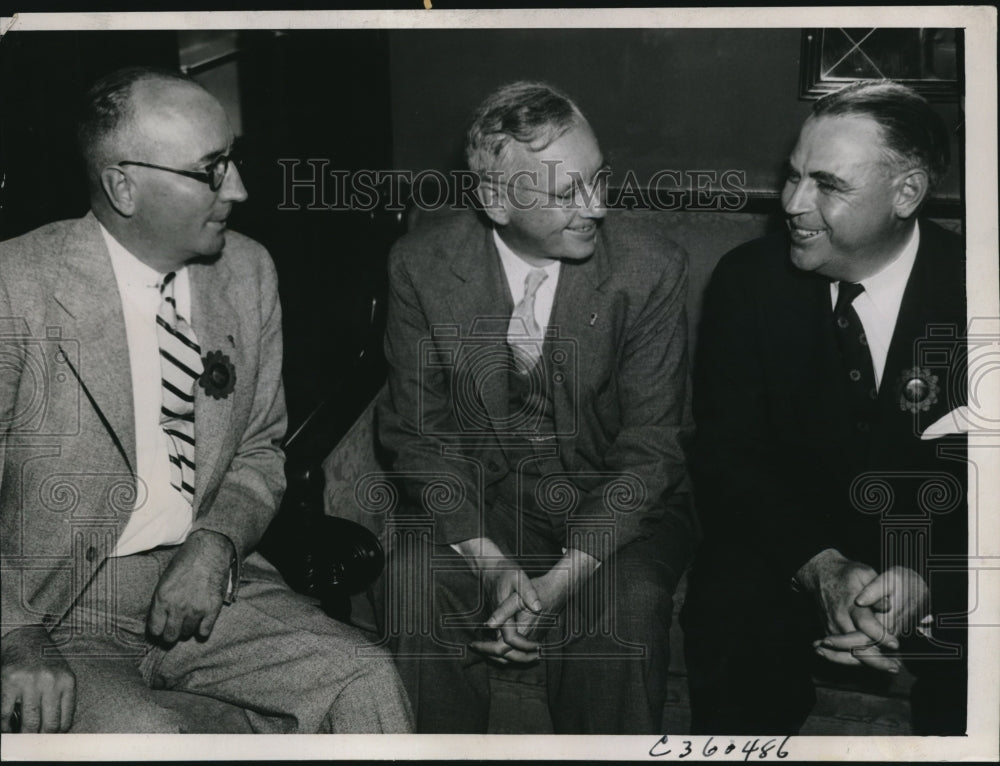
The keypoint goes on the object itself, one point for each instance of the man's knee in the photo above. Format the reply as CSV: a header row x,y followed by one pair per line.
x,y
137,715
335,660
643,597
379,671
112,697
423,586
372,700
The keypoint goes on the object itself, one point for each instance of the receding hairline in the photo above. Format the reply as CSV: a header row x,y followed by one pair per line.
x,y
894,160
151,95
913,133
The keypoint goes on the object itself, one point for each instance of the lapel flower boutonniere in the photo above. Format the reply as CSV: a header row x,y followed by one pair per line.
x,y
219,377
918,389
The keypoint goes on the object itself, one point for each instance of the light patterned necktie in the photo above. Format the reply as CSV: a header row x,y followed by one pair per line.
x,y
180,365
524,336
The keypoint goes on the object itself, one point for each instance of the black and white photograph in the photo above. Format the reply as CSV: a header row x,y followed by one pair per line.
x,y
523,373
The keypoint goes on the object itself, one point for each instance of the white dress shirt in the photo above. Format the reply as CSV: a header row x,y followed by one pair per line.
x,y
878,306
161,515
516,270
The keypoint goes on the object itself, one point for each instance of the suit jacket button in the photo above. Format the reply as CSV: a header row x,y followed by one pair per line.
x,y
91,553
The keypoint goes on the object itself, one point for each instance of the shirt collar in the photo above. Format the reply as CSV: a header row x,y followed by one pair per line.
x,y
132,274
885,288
134,277
515,267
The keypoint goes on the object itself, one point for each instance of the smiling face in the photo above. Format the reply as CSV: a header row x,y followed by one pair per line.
x,y
176,219
537,214
848,209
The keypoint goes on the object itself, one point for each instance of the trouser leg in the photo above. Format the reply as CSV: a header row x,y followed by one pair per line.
x,y
611,675
606,662
275,653
429,603
938,698
432,605
112,697
102,640
748,653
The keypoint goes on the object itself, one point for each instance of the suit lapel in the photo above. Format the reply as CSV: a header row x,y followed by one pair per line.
x,y
924,302
98,326
807,362
576,326
216,326
480,305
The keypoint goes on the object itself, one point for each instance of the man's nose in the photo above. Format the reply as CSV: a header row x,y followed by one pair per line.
x,y
797,197
232,189
595,205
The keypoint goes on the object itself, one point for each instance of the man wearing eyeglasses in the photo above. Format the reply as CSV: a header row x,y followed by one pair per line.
x,y
534,416
142,413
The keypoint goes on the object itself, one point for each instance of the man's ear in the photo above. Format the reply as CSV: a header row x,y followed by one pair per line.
x,y
119,190
494,202
911,189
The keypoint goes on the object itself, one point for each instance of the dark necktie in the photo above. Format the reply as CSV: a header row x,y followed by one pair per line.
x,y
180,365
854,351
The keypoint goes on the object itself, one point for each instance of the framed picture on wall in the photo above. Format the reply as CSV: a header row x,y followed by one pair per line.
x,y
926,59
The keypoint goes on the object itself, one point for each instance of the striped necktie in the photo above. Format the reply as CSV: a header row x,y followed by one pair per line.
x,y
524,336
180,365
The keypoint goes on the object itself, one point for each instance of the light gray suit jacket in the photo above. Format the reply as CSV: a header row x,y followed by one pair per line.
x,y
67,433
617,363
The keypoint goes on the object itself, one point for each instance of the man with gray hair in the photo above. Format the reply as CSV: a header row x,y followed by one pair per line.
x,y
141,416
830,484
534,417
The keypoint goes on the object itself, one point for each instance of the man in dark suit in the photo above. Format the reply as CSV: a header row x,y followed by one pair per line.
x,y
535,415
142,413
827,352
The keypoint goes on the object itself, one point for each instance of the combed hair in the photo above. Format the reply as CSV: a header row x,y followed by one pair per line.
x,y
532,113
107,107
913,132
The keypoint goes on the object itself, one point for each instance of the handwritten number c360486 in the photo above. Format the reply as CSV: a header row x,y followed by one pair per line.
x,y
750,746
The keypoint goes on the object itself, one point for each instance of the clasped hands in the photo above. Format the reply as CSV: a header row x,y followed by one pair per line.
x,y
523,605
865,612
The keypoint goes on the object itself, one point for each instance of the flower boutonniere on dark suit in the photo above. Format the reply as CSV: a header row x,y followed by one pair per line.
x,y
917,389
219,377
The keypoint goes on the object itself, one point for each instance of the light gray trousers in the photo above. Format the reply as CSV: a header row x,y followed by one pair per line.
x,y
273,652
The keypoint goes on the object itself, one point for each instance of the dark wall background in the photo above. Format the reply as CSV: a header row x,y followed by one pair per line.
x,y
42,75
683,99
301,95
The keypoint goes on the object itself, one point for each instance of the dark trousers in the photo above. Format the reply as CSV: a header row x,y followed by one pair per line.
x,y
605,659
748,652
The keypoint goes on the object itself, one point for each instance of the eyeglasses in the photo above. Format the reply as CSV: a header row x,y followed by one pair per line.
x,y
574,195
214,173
